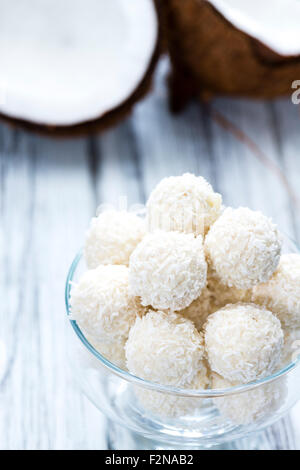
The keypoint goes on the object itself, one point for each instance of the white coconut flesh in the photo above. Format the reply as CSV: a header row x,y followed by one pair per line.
x,y
275,23
64,62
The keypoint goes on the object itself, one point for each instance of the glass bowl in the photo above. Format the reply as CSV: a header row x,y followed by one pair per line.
x,y
146,415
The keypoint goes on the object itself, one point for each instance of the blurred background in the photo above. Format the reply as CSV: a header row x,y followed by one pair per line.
x,y
50,186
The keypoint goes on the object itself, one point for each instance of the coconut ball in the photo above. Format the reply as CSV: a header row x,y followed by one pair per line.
x,y
173,406
165,348
167,270
243,248
249,407
243,342
101,303
113,350
200,309
112,237
184,203
291,347
281,293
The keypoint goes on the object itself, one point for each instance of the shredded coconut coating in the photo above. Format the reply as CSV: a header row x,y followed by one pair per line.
x,y
291,347
113,350
243,247
112,237
164,348
167,349
281,294
171,406
184,203
101,303
167,270
250,407
243,342
200,309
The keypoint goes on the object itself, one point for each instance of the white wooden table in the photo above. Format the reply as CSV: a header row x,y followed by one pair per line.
x,y
49,189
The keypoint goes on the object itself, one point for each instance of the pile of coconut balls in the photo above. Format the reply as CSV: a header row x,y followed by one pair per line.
x,y
194,296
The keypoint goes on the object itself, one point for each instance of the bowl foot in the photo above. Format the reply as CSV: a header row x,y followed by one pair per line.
x,y
120,438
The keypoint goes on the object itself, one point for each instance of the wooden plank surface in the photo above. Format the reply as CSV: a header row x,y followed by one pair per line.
x,y
48,191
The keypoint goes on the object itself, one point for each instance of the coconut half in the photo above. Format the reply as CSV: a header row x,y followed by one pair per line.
x,y
273,22
64,63
232,47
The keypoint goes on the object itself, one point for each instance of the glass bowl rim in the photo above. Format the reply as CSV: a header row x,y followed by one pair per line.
x,y
207,393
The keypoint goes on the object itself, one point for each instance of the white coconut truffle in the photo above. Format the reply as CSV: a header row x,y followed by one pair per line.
x,y
243,342
113,350
250,407
173,406
101,303
243,248
184,203
165,348
167,270
112,237
291,347
281,294
200,309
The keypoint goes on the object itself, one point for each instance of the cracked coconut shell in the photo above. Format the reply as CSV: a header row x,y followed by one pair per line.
x,y
230,47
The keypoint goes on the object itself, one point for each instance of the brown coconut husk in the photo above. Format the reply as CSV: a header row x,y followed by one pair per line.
x,y
212,57
111,118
